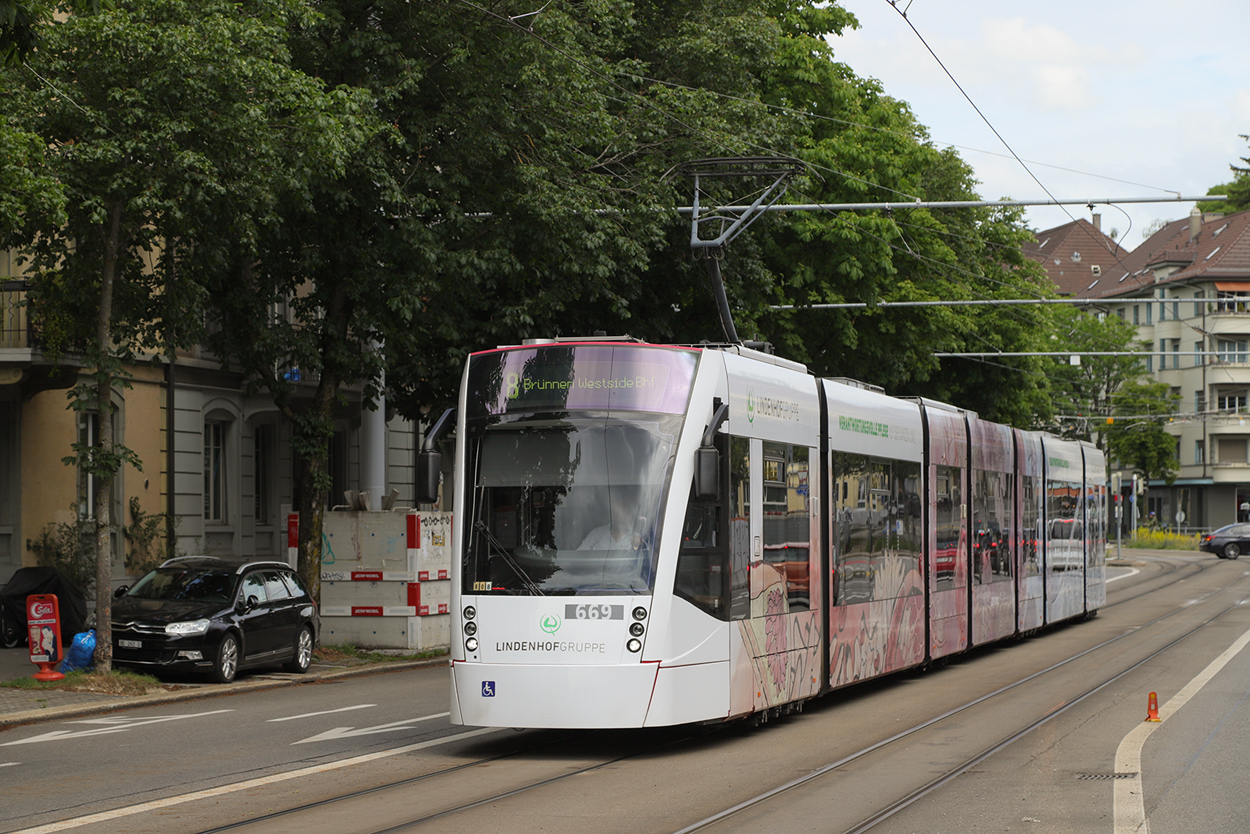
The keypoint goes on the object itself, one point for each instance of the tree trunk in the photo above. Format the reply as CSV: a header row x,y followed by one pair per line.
x,y
104,412
314,486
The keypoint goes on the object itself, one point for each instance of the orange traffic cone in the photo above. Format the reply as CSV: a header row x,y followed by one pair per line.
x,y
1152,708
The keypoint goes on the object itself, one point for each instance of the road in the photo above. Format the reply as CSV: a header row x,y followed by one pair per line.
x,y
1044,734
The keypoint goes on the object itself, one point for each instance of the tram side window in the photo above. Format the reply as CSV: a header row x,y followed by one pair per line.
x,y
1065,534
947,524
710,560
787,519
877,528
991,527
1030,518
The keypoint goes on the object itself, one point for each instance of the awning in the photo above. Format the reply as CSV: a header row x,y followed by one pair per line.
x,y
1233,286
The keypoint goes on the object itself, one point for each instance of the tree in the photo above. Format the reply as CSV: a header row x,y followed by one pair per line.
x,y
1238,190
1137,437
1089,390
520,190
860,145
167,121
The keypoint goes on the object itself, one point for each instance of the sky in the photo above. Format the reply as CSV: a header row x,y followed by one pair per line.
x,y
1100,99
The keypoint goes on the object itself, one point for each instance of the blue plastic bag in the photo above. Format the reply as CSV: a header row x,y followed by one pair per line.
x,y
81,654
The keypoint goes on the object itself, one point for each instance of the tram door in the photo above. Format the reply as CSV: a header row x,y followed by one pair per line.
x,y
782,628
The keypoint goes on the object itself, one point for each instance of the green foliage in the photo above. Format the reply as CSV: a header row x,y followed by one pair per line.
x,y
70,548
1088,390
1137,438
1238,190
146,532
26,185
1145,538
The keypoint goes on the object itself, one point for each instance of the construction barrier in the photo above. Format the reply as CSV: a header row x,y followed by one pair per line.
x,y
384,579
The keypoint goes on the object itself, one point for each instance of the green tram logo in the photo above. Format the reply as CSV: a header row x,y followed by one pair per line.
x,y
750,405
550,623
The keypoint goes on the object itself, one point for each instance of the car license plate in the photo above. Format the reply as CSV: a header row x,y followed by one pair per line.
x,y
130,644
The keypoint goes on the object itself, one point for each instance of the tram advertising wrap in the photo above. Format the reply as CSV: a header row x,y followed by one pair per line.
x,y
649,535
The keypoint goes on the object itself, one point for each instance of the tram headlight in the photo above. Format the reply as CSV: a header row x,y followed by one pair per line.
x,y
636,629
469,612
640,613
470,629
634,645
471,644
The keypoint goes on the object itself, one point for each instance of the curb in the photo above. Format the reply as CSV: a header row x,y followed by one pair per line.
x,y
17,719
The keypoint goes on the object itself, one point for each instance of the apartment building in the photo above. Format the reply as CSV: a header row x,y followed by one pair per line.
x,y
1187,290
225,454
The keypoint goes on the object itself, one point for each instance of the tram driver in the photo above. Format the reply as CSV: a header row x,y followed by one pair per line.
x,y
624,531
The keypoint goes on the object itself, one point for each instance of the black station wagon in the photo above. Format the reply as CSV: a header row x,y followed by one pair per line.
x,y
216,616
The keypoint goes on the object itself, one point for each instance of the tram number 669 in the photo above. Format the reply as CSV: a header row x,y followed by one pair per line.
x,y
594,612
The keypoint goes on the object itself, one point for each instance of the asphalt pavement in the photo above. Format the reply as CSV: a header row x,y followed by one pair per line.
x,y
30,706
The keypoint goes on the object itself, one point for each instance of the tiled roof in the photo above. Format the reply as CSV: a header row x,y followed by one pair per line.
x,y
1075,256
1219,251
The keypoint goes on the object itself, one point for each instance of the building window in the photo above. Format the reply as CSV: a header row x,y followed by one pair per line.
x,y
1231,302
89,484
1231,401
1136,314
1176,403
1120,313
1198,304
1199,452
215,471
1231,350
1176,354
1197,354
1176,311
262,469
1150,313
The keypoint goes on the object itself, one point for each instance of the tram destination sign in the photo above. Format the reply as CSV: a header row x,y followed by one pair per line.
x,y
580,378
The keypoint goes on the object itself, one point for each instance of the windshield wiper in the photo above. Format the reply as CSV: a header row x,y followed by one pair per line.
x,y
502,551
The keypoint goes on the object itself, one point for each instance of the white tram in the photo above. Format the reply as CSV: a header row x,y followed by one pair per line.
x,y
650,535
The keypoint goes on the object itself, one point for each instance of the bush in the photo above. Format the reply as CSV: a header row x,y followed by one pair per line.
x,y
1145,538
144,533
70,548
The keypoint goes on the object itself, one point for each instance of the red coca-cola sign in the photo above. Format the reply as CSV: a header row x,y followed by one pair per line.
x,y
43,619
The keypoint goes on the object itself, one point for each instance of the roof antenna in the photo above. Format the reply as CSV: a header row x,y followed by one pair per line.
x,y
769,176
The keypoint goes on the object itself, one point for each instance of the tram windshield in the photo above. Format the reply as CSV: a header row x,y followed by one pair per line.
x,y
569,501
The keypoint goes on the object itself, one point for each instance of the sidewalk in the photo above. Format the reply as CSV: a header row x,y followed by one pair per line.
x,y
30,706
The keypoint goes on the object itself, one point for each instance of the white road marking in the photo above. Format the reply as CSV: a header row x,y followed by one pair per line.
x,y
9,764
348,732
111,725
1130,809
1132,572
211,793
326,712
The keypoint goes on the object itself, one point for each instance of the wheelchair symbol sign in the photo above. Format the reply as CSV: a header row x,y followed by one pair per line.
x,y
488,689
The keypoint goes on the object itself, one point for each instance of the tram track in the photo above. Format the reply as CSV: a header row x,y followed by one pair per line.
x,y
868,823
265,822
550,781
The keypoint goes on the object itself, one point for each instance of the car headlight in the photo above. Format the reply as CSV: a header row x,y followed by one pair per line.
x,y
188,628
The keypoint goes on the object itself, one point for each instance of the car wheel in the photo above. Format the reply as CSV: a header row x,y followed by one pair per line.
x,y
1231,550
226,666
303,652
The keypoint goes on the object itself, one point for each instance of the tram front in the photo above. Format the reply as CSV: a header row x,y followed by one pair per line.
x,y
562,476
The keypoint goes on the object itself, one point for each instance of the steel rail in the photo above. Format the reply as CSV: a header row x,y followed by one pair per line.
x,y
912,797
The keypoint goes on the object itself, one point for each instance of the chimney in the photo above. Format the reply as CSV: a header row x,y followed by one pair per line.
x,y
1097,222
1195,223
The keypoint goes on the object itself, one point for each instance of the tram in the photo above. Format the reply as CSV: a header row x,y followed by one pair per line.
x,y
649,535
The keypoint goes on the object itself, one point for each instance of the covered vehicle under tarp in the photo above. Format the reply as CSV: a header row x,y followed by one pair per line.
x,y
40,580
